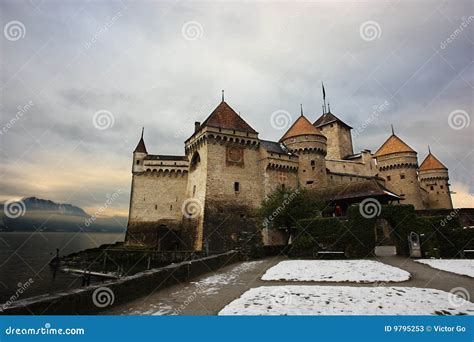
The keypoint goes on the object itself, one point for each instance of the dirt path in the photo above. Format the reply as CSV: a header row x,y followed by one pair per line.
x,y
208,294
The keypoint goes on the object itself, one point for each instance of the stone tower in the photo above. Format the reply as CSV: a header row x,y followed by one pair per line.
x,y
338,134
310,145
224,181
397,164
435,180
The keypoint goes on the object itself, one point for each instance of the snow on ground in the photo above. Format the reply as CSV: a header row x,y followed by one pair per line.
x,y
458,266
346,300
211,284
361,271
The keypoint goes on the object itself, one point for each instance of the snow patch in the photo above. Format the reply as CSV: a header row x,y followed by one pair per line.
x,y
458,266
346,300
360,271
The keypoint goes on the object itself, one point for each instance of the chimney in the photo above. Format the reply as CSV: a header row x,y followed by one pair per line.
x,y
197,125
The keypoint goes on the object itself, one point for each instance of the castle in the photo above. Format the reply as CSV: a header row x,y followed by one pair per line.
x,y
205,198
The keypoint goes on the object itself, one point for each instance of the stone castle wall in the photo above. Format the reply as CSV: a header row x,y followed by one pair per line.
x,y
436,185
339,143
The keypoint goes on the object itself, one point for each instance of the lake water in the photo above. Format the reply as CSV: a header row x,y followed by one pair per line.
x,y
27,255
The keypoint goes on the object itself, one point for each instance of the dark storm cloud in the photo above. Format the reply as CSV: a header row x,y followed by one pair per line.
x,y
132,60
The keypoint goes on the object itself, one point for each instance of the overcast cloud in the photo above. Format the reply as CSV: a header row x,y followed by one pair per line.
x,y
162,65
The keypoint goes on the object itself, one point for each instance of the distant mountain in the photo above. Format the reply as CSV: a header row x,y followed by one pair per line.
x,y
34,203
38,214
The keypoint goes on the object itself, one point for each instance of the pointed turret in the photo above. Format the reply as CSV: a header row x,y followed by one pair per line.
x,y
141,144
301,126
432,163
307,141
139,155
398,163
393,145
225,117
434,179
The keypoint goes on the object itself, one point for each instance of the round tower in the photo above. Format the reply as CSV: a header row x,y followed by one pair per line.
x,y
310,145
434,179
139,155
397,164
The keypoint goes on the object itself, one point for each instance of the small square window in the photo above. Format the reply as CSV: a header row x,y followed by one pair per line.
x,y
402,176
389,178
313,162
441,187
431,187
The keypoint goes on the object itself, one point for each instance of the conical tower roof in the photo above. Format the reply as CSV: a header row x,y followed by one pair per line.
x,y
141,145
393,145
432,163
301,126
225,117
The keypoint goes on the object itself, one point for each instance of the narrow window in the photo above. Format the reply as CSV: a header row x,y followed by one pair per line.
x,y
156,206
194,190
313,163
309,182
441,187
171,207
138,162
236,186
431,187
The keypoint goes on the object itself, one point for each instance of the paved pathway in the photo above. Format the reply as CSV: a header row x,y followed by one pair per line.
x,y
208,294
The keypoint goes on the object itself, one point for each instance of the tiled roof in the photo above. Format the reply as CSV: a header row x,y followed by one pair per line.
x,y
432,163
393,145
301,126
141,146
225,117
328,118
273,146
362,189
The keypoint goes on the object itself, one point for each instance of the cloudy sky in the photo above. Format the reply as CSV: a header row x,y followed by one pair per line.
x,y
80,78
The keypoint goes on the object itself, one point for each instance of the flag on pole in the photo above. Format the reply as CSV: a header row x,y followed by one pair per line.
x,y
324,92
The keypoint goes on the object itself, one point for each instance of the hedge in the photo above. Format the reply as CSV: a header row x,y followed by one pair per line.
x,y
440,236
